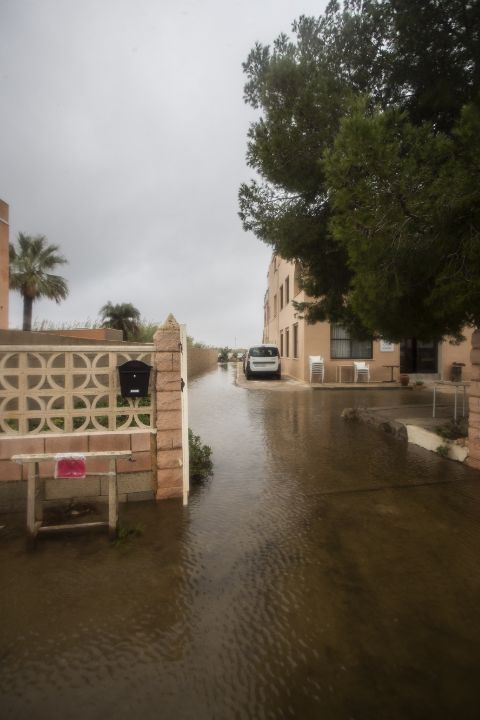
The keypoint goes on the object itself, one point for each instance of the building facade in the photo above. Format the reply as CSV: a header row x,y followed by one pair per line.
x,y
297,341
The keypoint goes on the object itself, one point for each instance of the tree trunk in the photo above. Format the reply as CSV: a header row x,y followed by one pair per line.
x,y
27,312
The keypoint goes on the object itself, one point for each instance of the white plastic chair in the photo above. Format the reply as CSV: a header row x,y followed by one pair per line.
x,y
317,366
361,370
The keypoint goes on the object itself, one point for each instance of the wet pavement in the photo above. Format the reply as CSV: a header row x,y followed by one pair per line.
x,y
325,571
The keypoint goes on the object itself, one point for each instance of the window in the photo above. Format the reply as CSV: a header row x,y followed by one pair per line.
x,y
295,340
342,346
262,351
281,297
287,290
296,279
287,342
281,343
274,306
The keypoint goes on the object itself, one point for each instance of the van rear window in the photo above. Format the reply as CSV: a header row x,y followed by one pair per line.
x,y
262,351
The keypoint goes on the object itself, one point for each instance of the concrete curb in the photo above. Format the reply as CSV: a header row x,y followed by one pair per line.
x,y
365,415
410,433
431,441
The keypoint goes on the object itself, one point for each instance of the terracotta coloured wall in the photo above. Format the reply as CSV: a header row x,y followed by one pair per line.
x,y
160,456
450,353
474,405
136,478
315,339
90,334
312,339
200,360
169,410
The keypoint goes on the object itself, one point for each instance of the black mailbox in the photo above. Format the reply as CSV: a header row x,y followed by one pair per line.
x,y
456,372
134,378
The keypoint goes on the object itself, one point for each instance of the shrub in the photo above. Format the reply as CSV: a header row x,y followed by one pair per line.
x,y
442,450
223,354
201,465
453,429
126,534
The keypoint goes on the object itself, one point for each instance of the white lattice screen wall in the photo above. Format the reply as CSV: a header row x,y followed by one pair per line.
x,y
60,388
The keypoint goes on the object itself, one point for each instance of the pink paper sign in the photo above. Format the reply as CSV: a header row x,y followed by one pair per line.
x,y
70,467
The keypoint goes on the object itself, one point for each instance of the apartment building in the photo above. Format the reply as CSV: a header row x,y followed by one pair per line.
x,y
284,326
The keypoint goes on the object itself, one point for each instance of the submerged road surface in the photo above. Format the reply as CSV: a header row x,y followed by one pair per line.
x,y
325,571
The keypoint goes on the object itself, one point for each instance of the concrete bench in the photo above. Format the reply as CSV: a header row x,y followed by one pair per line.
x,y
36,492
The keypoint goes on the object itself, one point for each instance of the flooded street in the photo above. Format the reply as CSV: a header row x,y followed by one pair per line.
x,y
325,571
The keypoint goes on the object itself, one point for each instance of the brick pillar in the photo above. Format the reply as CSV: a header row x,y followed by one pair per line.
x,y
473,458
4,263
167,347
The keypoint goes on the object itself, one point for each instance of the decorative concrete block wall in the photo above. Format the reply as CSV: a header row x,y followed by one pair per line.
x,y
159,467
474,405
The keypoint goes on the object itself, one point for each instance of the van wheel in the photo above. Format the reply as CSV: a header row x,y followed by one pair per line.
x,y
278,376
248,374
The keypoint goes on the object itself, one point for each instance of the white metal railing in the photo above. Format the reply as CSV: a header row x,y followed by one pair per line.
x,y
65,388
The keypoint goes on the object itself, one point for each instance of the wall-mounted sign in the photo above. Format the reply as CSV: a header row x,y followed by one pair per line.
x,y
386,346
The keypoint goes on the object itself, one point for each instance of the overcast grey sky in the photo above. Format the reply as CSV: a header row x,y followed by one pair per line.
x,y
122,139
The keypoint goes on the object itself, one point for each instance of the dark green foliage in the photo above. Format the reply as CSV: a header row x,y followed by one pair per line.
x,y
406,208
146,331
443,450
435,58
453,429
368,153
30,265
122,316
201,465
145,402
126,534
223,354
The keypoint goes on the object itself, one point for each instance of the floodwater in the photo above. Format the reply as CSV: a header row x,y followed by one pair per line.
x,y
325,571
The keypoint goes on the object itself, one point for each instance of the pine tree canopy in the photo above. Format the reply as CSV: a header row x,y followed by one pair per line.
x,y
367,154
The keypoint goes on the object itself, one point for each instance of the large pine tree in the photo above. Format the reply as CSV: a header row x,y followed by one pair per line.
x,y
369,110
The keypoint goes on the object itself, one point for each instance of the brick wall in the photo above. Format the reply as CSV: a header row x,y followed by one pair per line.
x,y
160,466
474,405
33,338
168,365
100,334
136,478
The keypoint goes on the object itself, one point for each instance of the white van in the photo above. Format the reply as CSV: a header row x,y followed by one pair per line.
x,y
262,360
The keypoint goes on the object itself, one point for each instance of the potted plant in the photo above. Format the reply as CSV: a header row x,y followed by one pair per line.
x,y
404,379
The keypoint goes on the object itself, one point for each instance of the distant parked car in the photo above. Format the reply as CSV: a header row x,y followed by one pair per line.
x,y
262,360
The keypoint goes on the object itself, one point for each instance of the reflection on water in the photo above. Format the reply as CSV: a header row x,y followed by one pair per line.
x,y
315,575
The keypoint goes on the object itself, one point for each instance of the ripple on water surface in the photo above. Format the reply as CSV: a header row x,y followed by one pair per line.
x,y
313,576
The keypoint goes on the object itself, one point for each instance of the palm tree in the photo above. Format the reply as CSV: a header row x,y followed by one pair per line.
x,y
123,316
30,264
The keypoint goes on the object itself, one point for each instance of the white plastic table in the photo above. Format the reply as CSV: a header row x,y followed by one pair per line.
x,y
339,368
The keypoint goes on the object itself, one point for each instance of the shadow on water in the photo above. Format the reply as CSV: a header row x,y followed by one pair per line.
x,y
325,571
